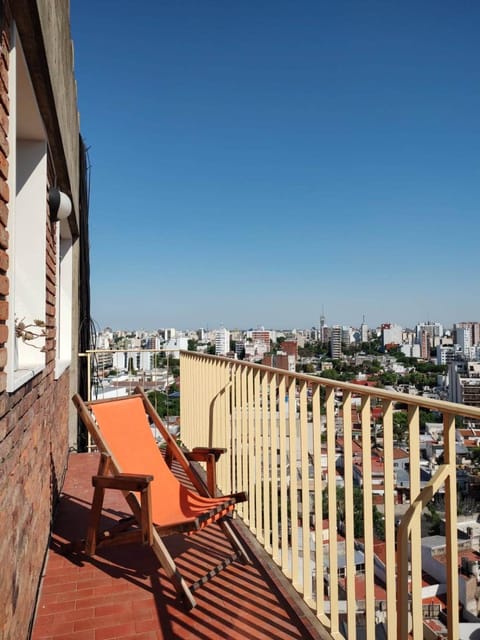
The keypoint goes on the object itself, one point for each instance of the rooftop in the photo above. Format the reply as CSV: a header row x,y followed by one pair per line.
x,y
121,592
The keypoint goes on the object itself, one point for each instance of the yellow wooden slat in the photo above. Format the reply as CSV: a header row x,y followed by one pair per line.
x,y
292,458
349,514
368,534
266,448
283,477
451,525
304,448
274,484
415,534
317,474
332,510
258,456
389,512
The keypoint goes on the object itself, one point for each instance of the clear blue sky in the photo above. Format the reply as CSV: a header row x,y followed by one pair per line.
x,y
253,162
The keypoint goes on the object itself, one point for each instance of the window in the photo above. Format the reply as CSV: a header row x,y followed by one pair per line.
x,y
64,298
27,220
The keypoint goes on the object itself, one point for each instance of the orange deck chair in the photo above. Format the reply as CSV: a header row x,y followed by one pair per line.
x,y
132,463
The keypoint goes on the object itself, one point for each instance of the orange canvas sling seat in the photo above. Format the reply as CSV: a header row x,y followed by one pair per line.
x,y
161,505
125,428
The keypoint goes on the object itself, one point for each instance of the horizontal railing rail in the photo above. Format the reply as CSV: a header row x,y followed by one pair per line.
x,y
131,367
321,501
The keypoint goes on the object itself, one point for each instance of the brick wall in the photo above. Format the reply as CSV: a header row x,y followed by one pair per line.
x,y
33,429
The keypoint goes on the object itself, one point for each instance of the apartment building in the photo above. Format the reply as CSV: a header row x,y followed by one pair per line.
x,y
336,342
472,328
391,334
464,383
222,342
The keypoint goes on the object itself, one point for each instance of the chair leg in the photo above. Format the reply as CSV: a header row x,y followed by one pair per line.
x,y
172,572
94,521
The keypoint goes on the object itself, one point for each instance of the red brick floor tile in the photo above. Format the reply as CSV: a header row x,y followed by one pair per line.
x,y
122,594
118,608
115,631
60,628
81,635
151,635
150,624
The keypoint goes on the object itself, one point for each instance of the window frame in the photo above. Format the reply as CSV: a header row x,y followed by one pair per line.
x,y
27,181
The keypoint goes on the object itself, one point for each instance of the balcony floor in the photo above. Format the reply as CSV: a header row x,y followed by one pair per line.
x,y
122,593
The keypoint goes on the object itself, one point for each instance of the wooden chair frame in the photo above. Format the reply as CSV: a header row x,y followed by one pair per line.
x,y
136,489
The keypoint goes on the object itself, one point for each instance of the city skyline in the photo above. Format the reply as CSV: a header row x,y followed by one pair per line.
x,y
235,327
280,157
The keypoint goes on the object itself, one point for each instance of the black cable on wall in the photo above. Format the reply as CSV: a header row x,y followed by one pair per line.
x,y
85,321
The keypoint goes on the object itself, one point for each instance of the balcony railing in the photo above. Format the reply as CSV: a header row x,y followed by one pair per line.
x,y
320,462
287,436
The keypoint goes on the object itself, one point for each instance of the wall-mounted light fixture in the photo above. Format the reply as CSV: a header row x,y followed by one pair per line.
x,y
59,203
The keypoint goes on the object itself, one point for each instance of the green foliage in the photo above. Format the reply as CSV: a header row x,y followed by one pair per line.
x,y
371,366
419,379
307,368
173,365
388,378
372,347
431,367
434,520
159,360
378,524
334,374
429,416
310,349
164,405
358,519
400,426
173,388
192,344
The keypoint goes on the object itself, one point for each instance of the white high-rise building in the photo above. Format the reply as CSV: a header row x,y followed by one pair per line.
x,y
464,383
336,342
463,339
435,329
445,354
175,345
391,334
364,331
222,342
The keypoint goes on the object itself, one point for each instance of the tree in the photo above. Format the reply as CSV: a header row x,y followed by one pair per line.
x,y
358,519
307,368
192,344
429,416
372,347
388,378
159,360
371,366
164,405
434,520
400,426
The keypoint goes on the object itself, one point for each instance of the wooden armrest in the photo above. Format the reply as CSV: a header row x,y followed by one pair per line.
x,y
205,451
123,481
210,455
